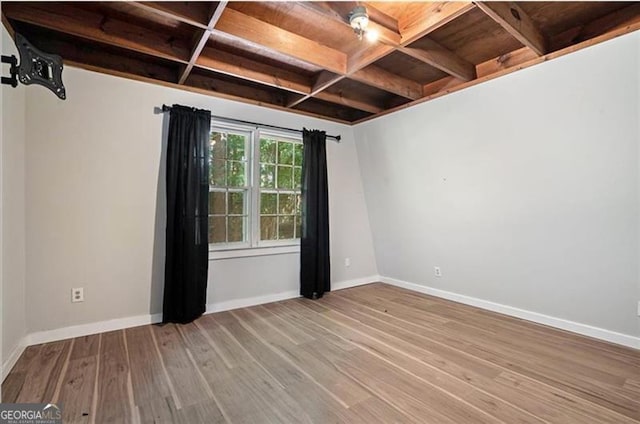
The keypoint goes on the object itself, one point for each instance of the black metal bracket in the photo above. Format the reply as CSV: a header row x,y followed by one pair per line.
x,y
36,67
13,71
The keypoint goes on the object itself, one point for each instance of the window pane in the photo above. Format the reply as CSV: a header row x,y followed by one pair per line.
x,y
218,145
236,203
235,174
268,203
285,229
268,150
298,154
217,203
297,178
268,228
236,228
217,173
285,153
235,147
287,204
267,176
298,204
217,229
285,177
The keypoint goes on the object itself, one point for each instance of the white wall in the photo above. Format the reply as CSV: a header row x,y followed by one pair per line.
x,y
524,190
13,209
95,203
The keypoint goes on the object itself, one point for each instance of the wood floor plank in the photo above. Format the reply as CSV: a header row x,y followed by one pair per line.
x,y
14,383
43,373
76,393
85,346
188,385
147,376
586,383
307,357
113,396
369,354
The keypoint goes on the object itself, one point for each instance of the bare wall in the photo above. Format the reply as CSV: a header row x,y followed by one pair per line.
x,y
95,203
13,209
524,190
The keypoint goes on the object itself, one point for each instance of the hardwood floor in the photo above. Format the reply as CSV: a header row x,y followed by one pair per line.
x,y
371,354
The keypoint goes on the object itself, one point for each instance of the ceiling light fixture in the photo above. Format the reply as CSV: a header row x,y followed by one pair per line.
x,y
359,21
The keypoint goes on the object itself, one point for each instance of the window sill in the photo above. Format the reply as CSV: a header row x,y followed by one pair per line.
x,y
253,251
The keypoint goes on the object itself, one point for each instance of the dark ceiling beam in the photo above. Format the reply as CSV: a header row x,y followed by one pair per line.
x,y
435,55
236,88
241,67
272,37
92,26
350,102
517,23
620,20
88,53
180,11
202,42
377,77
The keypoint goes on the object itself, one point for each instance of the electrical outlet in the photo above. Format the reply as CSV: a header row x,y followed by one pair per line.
x,y
77,295
436,271
347,262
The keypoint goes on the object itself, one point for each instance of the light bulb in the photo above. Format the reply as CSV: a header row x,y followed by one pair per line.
x,y
372,35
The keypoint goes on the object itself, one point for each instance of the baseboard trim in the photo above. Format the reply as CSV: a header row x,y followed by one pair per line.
x,y
91,328
563,324
8,364
135,321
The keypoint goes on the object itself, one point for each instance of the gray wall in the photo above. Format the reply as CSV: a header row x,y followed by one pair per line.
x,y
13,209
524,190
95,203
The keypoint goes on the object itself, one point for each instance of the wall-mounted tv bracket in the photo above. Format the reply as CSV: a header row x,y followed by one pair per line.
x,y
36,67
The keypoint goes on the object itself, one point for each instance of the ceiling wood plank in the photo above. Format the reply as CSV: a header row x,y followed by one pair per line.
x,y
384,80
215,17
352,103
440,85
439,57
368,55
626,17
180,11
505,61
235,88
259,32
324,80
517,23
429,18
241,67
92,26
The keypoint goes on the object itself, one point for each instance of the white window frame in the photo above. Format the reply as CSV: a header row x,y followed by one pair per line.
x,y
253,246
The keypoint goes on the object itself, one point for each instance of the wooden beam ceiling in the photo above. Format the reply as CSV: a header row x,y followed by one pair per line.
x,y
251,68
517,23
272,37
197,50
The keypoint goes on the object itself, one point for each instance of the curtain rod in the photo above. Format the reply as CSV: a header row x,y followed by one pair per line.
x,y
337,138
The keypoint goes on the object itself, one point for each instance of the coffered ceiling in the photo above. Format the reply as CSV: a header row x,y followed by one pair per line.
x,y
304,56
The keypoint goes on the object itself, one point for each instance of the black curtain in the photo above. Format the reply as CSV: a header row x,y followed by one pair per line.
x,y
315,270
186,266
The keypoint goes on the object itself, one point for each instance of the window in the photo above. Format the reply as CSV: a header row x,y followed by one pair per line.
x,y
254,188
